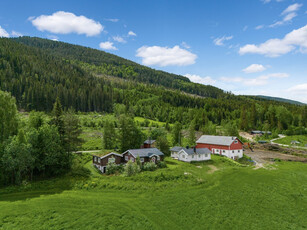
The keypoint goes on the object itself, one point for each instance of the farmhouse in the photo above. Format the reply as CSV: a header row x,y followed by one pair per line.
x,y
194,154
146,155
102,162
231,147
174,151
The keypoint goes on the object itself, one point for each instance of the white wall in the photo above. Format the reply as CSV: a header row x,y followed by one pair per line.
x,y
182,156
174,154
229,153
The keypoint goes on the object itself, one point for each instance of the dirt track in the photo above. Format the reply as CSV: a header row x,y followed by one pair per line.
x,y
264,156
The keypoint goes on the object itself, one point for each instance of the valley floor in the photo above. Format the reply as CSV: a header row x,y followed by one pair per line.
x,y
211,195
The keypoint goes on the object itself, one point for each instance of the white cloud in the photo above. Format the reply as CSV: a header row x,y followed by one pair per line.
x,y
131,33
3,33
112,19
53,37
276,47
268,1
220,41
165,56
16,34
292,8
107,46
202,80
119,39
65,22
254,68
288,13
259,27
185,45
299,89
258,81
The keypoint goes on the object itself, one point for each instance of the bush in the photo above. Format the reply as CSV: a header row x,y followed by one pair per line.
x,y
162,164
131,169
149,166
112,168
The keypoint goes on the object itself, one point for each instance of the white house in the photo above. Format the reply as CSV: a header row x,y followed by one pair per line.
x,y
174,151
194,154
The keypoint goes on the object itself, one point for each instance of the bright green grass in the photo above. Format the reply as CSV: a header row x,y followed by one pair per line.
x,y
142,119
287,140
92,138
181,196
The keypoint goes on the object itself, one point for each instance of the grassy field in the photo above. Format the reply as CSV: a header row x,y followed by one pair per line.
x,y
213,195
287,140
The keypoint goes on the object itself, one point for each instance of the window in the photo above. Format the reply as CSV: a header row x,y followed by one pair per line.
x,y
111,160
183,156
192,156
126,158
236,141
206,155
233,151
142,159
223,151
158,158
199,155
132,159
98,160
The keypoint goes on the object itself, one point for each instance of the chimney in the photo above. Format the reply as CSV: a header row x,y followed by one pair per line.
x,y
187,147
194,149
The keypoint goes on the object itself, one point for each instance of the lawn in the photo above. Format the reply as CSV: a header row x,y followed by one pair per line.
x,y
287,140
182,196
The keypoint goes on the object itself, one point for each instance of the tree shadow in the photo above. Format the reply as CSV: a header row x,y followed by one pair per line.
x,y
35,189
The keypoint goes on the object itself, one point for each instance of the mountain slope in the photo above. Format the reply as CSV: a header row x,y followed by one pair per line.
x,y
279,99
37,74
101,62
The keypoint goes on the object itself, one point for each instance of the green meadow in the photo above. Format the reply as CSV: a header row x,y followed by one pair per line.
x,y
288,139
219,194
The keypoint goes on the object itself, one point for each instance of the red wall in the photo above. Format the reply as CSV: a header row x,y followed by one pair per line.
x,y
233,146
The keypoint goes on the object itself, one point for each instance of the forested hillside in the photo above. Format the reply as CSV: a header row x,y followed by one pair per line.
x,y
104,63
36,71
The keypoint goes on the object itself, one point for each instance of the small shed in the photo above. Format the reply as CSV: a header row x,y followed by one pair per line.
x,y
149,144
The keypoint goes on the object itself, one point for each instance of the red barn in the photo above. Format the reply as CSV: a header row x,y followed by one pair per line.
x,y
232,147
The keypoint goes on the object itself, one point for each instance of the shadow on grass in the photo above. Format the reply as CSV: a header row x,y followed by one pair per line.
x,y
44,187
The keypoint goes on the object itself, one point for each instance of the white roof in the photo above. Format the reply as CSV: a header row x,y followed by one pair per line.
x,y
216,140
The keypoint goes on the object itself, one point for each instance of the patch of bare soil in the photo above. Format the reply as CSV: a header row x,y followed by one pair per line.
x,y
246,136
262,156
212,169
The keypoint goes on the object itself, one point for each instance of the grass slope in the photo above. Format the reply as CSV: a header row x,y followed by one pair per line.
x,y
182,196
287,140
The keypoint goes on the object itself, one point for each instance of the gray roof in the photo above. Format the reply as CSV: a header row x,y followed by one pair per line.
x,y
149,142
216,140
148,152
176,149
190,151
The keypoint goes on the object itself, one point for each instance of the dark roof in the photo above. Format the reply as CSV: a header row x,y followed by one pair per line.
x,y
149,142
256,132
176,149
148,152
191,151
217,140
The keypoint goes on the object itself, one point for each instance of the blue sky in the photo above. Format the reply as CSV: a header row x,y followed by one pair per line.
x,y
247,47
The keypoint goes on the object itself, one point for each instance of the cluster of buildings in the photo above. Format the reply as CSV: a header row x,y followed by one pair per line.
x,y
231,147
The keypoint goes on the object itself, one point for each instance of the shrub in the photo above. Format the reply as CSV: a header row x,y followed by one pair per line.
x,y
149,166
131,169
112,168
162,164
